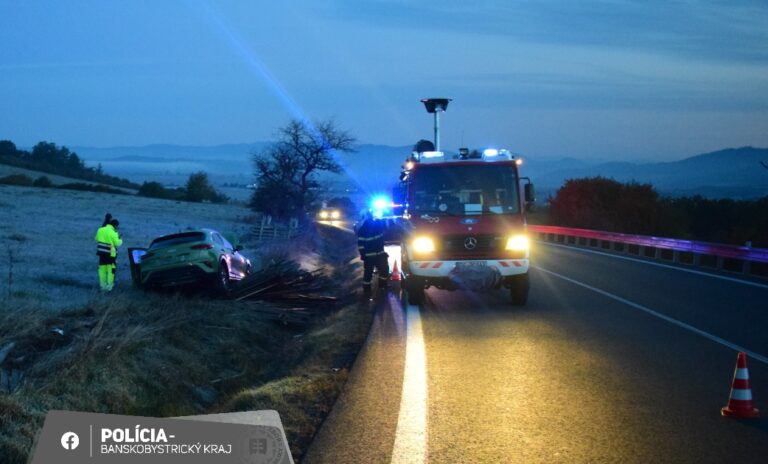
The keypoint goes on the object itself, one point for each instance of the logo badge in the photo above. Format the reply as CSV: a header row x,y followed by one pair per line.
x,y
469,221
70,441
470,243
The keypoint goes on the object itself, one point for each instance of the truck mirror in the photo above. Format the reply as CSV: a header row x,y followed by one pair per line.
x,y
530,193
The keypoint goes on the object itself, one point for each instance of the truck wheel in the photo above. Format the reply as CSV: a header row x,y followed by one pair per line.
x,y
415,289
518,289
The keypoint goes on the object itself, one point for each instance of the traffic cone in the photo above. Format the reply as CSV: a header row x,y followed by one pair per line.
x,y
740,402
395,276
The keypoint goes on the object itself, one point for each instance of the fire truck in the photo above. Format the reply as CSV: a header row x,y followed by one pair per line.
x,y
463,223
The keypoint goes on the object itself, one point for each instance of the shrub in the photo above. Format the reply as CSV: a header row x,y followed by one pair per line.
x,y
17,179
199,189
43,181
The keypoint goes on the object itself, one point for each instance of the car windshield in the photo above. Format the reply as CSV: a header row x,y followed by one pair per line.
x,y
176,239
465,190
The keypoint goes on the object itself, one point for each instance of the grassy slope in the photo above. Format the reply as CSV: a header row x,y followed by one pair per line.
x,y
6,170
49,233
156,355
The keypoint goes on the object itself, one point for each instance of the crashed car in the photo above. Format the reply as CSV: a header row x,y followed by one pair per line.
x,y
201,256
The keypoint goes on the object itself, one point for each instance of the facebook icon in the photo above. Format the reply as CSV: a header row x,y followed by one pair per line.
x,y
70,440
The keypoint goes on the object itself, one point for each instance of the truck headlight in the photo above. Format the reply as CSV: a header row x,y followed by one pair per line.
x,y
423,245
323,215
335,214
518,243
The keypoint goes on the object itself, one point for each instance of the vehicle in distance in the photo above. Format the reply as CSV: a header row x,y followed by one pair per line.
x,y
329,214
201,256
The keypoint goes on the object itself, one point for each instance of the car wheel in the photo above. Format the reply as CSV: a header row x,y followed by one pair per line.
x,y
223,283
518,289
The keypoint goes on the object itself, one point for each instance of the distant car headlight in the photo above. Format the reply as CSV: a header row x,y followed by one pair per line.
x,y
423,245
518,243
323,214
335,214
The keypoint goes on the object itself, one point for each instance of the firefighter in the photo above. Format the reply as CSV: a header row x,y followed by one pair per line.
x,y
370,244
107,241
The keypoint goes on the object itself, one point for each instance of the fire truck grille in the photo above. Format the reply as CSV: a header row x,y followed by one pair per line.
x,y
475,247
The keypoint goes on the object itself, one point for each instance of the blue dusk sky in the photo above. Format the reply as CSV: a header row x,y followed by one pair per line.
x,y
608,79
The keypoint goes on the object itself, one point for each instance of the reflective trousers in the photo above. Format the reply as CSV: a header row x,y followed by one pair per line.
x,y
381,264
107,276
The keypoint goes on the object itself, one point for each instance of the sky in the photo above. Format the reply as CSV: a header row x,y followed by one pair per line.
x,y
610,79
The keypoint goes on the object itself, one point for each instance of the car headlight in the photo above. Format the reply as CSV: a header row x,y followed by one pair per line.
x,y
518,243
335,214
323,214
423,245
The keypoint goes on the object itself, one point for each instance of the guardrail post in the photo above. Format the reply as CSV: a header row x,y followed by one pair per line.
x,y
696,259
719,264
675,256
746,267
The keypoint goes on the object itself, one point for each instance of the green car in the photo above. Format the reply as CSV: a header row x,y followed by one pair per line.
x,y
201,256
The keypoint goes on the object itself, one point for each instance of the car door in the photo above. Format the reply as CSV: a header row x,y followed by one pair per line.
x,y
235,260
240,262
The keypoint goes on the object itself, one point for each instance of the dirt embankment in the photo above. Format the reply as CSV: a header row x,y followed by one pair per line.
x,y
169,355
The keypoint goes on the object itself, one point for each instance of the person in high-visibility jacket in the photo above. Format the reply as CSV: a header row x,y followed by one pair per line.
x,y
370,244
107,241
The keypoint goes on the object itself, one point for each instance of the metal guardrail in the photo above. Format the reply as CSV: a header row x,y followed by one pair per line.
x,y
720,256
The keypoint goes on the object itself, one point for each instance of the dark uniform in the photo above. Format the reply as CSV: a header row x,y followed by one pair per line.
x,y
370,244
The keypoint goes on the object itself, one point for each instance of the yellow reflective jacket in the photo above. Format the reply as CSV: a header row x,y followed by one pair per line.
x,y
107,240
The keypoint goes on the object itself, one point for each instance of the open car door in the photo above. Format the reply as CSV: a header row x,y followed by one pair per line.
x,y
134,258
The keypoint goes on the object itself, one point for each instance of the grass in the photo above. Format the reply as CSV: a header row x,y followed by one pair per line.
x,y
50,233
136,353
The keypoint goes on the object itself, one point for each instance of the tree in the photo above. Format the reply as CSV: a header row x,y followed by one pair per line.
x,y
605,204
285,171
199,189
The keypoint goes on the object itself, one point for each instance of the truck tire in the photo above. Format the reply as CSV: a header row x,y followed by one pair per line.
x,y
415,289
518,289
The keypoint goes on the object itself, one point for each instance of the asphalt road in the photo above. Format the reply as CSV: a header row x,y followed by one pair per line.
x,y
612,360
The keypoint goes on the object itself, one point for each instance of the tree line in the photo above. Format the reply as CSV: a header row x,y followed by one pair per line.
x,y
49,158
52,159
604,204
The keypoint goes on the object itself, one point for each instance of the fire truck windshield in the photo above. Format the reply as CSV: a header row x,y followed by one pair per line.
x,y
464,189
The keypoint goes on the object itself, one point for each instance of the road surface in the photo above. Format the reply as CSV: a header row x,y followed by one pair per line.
x,y
612,360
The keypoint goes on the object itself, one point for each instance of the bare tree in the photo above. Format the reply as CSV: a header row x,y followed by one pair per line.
x,y
285,171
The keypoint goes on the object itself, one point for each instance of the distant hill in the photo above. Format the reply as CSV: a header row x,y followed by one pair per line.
x,y
728,173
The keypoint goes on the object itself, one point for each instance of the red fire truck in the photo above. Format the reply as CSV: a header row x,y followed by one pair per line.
x,y
463,223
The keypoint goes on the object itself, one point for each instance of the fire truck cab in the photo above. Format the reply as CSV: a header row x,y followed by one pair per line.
x,y
463,223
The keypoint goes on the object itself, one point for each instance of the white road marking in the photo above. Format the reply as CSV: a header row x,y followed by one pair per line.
x,y
411,435
652,263
652,312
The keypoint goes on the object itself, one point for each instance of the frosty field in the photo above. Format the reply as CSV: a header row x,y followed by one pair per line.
x,y
47,250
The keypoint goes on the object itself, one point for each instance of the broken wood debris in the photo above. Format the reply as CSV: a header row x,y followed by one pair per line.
x,y
285,282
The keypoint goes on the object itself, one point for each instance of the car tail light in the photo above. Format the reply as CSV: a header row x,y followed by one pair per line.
x,y
203,246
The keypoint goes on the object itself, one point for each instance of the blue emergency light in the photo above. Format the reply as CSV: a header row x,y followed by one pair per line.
x,y
380,205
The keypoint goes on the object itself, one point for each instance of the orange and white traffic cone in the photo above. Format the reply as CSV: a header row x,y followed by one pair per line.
x,y
740,402
395,276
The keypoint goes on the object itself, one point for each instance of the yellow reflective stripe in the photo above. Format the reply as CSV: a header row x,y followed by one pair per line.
x,y
368,239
